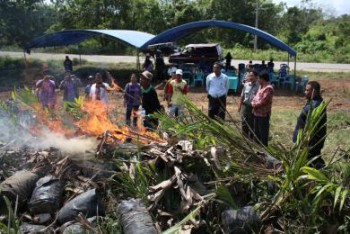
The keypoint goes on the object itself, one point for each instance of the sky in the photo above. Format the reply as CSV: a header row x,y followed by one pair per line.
x,y
336,8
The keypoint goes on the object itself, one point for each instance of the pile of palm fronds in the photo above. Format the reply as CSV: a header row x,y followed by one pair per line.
x,y
209,170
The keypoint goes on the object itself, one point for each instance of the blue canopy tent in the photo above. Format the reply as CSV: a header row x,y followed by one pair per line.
x,y
68,37
142,40
181,31
184,30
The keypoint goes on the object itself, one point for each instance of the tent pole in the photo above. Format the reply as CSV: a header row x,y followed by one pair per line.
x,y
25,58
295,66
138,67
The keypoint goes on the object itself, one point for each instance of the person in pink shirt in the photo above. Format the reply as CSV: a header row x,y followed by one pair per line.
x,y
46,91
262,105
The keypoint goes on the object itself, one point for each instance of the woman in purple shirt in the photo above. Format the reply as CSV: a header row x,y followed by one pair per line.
x,y
132,99
46,92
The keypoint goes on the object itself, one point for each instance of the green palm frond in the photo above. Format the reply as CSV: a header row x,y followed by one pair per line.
x,y
344,196
178,226
133,182
312,124
75,108
13,221
197,126
314,174
24,95
223,194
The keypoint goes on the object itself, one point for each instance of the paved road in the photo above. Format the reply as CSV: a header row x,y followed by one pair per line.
x,y
322,67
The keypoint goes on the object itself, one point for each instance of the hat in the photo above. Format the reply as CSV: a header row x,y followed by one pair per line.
x,y
178,72
147,75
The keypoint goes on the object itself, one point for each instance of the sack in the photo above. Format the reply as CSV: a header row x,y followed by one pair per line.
x,y
135,218
47,195
88,203
20,184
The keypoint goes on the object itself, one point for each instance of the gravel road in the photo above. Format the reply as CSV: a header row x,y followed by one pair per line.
x,y
322,67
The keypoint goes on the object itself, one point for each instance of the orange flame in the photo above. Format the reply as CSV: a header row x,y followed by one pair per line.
x,y
96,123
115,86
47,118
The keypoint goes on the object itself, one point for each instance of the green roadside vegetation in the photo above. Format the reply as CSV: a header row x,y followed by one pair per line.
x,y
313,32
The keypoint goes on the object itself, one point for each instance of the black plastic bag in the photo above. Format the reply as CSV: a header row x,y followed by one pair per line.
x,y
27,228
20,184
88,203
78,228
135,218
243,220
47,195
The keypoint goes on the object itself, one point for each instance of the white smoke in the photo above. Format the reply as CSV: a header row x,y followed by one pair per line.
x,y
76,145
16,135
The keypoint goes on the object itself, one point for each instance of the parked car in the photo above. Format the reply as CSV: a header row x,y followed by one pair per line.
x,y
166,48
198,53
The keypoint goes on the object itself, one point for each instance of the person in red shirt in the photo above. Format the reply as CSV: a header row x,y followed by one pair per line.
x,y
177,89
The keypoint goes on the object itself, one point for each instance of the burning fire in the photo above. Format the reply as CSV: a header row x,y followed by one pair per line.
x,y
46,119
96,123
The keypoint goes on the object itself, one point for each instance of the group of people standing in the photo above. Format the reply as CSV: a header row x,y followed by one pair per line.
x,y
255,103
255,107
142,95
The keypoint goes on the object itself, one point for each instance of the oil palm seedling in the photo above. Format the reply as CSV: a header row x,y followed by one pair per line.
x,y
290,188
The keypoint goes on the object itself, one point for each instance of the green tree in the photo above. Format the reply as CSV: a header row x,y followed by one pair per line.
x,y
296,22
20,21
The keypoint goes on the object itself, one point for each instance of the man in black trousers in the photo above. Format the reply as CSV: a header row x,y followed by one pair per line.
x,y
316,142
217,85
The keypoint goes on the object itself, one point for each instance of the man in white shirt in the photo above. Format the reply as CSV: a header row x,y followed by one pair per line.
x,y
217,85
98,90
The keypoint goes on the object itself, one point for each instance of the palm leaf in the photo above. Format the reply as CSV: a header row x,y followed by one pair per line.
x,y
223,194
314,174
178,226
199,127
343,198
13,221
323,189
336,196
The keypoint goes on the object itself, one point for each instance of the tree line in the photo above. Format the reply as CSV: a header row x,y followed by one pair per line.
x,y
306,28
